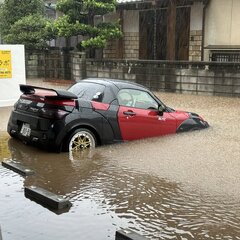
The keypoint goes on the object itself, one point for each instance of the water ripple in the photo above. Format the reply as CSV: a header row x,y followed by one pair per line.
x,y
176,187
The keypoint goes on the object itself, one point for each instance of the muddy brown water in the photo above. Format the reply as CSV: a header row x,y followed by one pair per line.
x,y
184,186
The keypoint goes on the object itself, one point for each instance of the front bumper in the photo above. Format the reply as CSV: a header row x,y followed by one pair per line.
x,y
192,124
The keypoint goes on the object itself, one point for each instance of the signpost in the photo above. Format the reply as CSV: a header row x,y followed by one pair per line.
x,y
5,64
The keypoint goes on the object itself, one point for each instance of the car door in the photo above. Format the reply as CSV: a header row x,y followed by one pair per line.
x,y
138,116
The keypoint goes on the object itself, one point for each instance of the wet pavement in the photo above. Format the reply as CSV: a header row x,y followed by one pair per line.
x,y
182,186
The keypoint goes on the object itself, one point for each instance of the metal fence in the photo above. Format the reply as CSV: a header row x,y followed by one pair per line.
x,y
223,56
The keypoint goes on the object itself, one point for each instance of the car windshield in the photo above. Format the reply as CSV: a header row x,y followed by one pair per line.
x,y
137,99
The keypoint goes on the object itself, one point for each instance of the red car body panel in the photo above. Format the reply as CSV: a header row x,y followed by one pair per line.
x,y
180,116
100,106
138,123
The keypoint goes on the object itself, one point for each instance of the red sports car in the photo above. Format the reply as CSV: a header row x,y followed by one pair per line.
x,y
94,112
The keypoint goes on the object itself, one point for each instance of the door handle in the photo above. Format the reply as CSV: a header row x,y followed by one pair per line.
x,y
129,113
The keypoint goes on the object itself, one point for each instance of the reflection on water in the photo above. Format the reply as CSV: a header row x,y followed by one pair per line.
x,y
4,152
176,187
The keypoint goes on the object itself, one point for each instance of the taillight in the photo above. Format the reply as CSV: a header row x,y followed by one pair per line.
x,y
57,109
52,113
70,103
47,107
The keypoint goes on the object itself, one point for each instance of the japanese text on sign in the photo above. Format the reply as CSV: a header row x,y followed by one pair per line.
x,y
5,64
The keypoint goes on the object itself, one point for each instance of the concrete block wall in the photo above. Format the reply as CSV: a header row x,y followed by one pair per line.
x,y
55,64
131,45
107,70
194,81
78,66
193,78
110,51
195,45
47,64
209,78
35,64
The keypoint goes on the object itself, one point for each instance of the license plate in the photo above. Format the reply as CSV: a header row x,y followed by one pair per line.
x,y
25,130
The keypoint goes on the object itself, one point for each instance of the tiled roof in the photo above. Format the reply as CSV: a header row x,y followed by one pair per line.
x,y
129,1
136,1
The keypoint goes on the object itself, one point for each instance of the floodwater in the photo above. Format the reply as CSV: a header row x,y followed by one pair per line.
x,y
184,186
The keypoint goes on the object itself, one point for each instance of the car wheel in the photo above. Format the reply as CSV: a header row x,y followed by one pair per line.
x,y
81,139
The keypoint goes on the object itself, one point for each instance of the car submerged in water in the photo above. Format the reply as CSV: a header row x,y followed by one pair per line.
x,y
94,112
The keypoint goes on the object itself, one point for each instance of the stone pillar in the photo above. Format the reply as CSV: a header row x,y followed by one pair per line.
x,y
78,66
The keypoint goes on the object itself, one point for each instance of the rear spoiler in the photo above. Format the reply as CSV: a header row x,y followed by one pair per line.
x,y
58,94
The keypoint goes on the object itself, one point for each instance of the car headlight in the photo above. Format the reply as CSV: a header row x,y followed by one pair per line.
x,y
195,115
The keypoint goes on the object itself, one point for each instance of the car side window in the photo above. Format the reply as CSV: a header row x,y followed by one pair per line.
x,y
137,99
88,91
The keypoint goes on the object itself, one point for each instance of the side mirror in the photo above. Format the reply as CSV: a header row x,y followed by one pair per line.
x,y
161,109
98,97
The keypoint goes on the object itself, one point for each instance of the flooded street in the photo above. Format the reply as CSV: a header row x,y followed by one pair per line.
x,y
184,186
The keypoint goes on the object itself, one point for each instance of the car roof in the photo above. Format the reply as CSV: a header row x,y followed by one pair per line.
x,y
120,84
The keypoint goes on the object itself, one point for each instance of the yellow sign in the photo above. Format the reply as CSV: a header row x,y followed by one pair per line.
x,y
5,64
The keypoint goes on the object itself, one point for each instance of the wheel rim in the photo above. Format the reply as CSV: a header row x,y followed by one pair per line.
x,y
81,141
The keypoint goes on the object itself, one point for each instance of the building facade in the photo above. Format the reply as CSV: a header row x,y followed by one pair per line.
x,y
222,31
187,30
181,30
159,30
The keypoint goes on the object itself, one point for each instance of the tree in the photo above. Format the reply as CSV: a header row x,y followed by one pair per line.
x,y
23,22
32,31
78,19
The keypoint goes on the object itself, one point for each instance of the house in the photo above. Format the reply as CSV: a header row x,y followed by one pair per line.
x,y
181,30
189,30
160,30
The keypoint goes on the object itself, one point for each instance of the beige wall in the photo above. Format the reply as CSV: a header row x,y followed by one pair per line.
x,y
196,16
222,24
131,21
130,35
196,23
111,17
